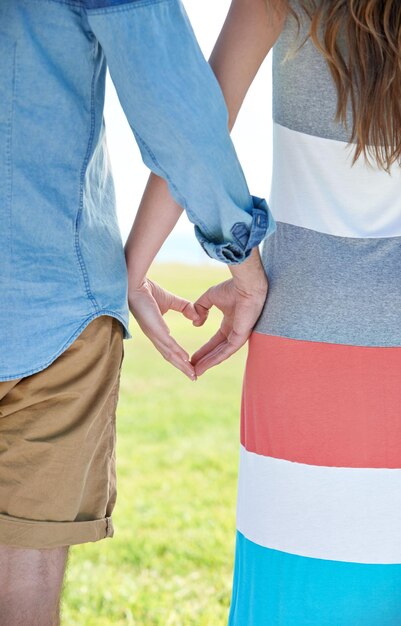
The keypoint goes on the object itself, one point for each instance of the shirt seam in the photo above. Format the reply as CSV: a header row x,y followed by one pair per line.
x,y
272,333
125,7
78,251
9,152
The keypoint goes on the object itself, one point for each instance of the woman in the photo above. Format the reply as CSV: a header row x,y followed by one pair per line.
x,y
319,503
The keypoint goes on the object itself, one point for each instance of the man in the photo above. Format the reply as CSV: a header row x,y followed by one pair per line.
x,y
64,310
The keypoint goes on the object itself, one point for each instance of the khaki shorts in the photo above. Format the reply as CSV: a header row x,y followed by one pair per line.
x,y
57,444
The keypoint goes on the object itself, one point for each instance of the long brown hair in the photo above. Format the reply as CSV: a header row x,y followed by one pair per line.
x,y
368,75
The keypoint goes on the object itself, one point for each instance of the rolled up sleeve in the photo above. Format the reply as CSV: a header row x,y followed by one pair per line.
x,y
179,118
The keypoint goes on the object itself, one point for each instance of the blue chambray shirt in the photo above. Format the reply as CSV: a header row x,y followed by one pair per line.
x,y
61,253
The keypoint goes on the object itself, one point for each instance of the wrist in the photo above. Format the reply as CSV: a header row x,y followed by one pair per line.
x,y
250,276
135,280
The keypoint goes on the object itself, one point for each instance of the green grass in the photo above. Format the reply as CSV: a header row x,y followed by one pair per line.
x,y
170,560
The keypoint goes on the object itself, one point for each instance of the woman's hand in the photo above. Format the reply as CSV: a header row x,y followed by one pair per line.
x,y
241,300
148,303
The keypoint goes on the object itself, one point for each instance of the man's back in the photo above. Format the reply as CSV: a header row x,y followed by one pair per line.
x,y
61,249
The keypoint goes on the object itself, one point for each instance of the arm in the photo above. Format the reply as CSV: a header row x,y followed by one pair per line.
x,y
177,113
156,217
247,36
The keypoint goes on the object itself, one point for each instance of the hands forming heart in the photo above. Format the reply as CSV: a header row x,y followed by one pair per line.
x,y
240,306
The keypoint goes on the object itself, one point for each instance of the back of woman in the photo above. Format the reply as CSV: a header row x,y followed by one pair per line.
x,y
319,504
336,247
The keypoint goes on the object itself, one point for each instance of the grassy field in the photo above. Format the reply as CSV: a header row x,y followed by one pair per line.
x,y
170,560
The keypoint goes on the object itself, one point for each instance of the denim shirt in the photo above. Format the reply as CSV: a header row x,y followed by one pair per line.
x,y
62,257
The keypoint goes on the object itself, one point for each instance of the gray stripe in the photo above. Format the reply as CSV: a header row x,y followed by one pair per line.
x,y
304,94
334,289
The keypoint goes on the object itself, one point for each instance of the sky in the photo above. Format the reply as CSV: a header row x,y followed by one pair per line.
x,y
251,135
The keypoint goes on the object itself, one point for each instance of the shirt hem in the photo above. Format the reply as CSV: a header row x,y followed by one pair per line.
x,y
39,368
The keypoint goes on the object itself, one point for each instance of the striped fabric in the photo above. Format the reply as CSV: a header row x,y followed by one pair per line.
x,y
319,496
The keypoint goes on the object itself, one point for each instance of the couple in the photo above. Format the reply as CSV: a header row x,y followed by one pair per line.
x,y
319,509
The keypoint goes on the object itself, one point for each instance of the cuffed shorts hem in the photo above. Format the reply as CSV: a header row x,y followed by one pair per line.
x,y
18,533
58,482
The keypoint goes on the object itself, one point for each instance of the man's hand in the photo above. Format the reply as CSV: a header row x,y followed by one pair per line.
x,y
241,300
148,303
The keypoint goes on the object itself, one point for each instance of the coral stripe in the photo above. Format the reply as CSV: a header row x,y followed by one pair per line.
x,y
322,403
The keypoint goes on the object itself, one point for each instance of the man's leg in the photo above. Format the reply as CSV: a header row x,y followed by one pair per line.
x,y
57,469
30,586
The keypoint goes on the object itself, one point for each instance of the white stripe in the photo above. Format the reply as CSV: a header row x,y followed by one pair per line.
x,y
334,513
314,186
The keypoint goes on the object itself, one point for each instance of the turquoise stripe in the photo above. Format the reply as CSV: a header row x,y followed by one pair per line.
x,y
273,588
335,289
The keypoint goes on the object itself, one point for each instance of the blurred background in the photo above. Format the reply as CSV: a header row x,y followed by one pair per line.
x,y
170,560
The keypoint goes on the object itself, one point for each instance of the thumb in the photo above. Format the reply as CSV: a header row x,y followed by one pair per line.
x,y
202,313
191,313
203,305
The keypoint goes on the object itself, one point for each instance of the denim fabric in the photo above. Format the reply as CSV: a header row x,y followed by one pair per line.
x,y
62,258
245,238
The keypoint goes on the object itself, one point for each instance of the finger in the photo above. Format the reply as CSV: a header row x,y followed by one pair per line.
x,y
203,314
221,353
176,355
208,347
183,367
155,328
174,359
166,300
214,296
185,307
205,300
217,356
152,323
202,305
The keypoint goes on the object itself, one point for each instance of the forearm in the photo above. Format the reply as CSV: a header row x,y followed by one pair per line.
x,y
150,229
249,32
250,277
246,38
178,115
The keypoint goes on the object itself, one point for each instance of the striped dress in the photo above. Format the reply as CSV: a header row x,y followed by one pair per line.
x,y
319,497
